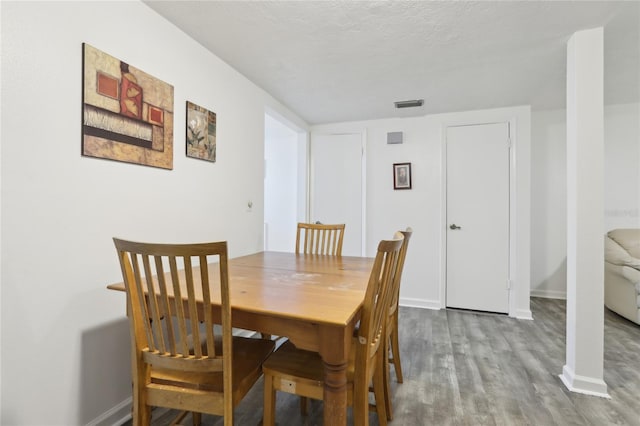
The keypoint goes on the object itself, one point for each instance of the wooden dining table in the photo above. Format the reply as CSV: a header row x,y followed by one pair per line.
x,y
314,300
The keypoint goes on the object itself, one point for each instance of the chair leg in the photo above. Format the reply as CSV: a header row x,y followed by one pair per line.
x,y
304,405
196,418
228,419
395,348
379,389
360,413
387,381
269,410
361,399
141,415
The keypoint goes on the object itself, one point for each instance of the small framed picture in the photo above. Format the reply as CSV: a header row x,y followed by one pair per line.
x,y
402,176
201,133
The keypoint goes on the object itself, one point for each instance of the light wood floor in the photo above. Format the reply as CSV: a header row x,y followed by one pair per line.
x,y
467,368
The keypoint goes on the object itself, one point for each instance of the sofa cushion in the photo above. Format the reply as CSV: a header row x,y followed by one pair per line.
x,y
614,253
629,239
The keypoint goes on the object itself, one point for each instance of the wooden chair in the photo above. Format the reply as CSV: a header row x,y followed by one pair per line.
x,y
317,238
392,349
179,359
301,372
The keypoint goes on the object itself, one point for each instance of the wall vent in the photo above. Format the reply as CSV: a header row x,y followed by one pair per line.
x,y
409,104
394,137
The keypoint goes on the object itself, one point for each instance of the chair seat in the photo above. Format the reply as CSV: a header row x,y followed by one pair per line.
x,y
289,361
248,356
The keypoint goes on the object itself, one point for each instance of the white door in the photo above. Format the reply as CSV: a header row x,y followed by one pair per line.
x,y
337,185
478,217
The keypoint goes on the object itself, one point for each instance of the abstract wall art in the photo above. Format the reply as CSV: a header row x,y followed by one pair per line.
x,y
127,114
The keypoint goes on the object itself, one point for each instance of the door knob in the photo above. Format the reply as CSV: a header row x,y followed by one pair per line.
x,y
454,226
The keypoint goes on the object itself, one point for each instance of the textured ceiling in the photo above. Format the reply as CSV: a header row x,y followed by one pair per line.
x,y
332,61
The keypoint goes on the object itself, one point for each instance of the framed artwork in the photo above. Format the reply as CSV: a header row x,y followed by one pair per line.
x,y
127,115
402,176
201,133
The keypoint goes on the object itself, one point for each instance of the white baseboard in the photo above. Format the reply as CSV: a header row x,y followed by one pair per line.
x,y
584,385
549,294
121,413
419,303
115,416
523,314
435,305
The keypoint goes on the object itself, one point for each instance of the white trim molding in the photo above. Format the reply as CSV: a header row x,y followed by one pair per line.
x,y
420,303
524,314
549,294
583,384
115,416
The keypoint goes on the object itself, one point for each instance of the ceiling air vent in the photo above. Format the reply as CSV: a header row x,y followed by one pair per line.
x,y
409,104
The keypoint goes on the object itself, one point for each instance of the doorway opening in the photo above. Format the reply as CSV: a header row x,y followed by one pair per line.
x,y
285,182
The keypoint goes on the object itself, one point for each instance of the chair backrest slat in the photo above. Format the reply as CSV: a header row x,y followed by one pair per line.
x,y
147,310
180,316
319,238
156,315
192,307
164,303
208,315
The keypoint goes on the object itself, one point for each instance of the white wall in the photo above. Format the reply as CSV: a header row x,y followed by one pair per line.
x,y
0,242
65,340
422,207
549,192
548,203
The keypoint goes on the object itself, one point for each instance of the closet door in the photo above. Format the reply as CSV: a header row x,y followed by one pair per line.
x,y
478,217
337,185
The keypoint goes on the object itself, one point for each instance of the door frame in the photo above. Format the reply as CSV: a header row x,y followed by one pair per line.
x,y
363,188
512,209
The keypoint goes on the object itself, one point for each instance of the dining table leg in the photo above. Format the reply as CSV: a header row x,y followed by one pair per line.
x,y
335,394
335,343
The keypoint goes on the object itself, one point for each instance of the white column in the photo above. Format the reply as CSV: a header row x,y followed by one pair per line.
x,y
583,371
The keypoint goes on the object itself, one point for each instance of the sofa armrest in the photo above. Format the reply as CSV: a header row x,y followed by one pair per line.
x,y
622,291
633,275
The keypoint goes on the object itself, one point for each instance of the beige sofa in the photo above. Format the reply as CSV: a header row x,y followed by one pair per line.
x,y
622,273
